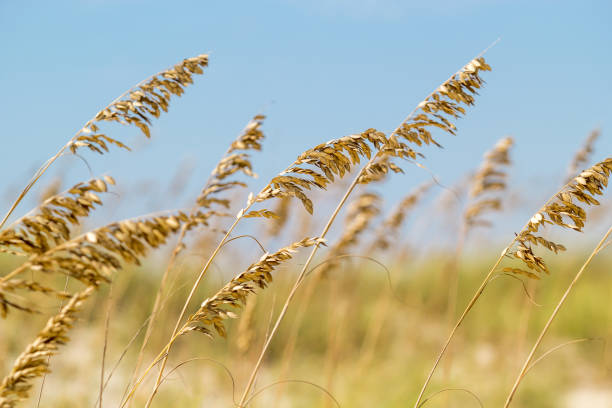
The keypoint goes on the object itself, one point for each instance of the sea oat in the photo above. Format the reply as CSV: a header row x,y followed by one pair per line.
x,y
490,178
214,310
563,210
34,361
583,155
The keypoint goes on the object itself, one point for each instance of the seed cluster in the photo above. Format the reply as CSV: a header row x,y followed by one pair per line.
x,y
145,102
34,361
489,179
214,310
52,220
564,210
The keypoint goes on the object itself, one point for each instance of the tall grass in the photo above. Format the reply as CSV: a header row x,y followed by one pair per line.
x,y
356,310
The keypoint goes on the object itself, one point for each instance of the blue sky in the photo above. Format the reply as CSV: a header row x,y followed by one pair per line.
x,y
318,69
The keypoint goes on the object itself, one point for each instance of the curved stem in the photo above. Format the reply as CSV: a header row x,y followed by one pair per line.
x,y
452,333
304,270
552,317
66,244
33,181
474,299
296,286
50,161
453,289
159,296
158,302
186,305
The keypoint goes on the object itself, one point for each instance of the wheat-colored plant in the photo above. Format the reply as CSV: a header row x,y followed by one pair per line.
x,y
46,227
433,112
34,361
214,310
137,106
489,178
360,214
210,317
583,155
391,225
527,364
333,159
562,209
213,196
50,223
487,185
92,257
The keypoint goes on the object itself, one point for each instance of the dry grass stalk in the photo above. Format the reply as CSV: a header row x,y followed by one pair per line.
x,y
580,159
34,361
325,162
563,210
137,106
210,317
319,166
391,225
282,212
446,100
489,178
50,223
332,159
232,162
246,332
92,257
583,155
555,211
359,216
214,310
527,364
488,181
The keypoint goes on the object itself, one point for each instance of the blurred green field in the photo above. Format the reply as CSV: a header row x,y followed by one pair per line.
x,y
335,348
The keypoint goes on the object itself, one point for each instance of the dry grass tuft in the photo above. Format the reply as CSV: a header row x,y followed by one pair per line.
x,y
326,161
394,221
488,179
92,257
139,105
583,155
34,361
282,212
51,222
562,210
213,311
231,163
359,216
